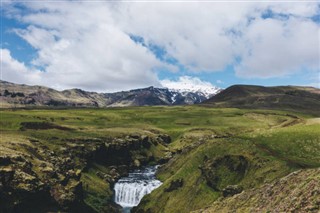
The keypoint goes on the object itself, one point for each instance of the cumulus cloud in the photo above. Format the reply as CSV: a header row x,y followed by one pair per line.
x,y
15,71
210,36
88,44
193,33
78,45
279,48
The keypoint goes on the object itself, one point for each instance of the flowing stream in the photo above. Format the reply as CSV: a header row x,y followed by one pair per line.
x,y
130,190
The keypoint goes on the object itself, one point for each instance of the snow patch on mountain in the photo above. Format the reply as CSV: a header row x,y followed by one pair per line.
x,y
187,84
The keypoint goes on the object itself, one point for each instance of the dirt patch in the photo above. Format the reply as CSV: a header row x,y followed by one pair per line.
x,y
313,121
41,126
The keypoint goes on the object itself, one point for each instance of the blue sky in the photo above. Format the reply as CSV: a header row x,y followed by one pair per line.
x,y
117,46
19,48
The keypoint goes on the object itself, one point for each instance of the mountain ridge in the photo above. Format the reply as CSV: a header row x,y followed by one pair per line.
x,y
293,98
21,95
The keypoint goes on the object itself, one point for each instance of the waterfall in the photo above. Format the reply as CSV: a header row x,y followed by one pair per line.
x,y
130,190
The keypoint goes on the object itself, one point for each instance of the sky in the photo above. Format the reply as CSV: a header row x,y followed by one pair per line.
x,y
108,46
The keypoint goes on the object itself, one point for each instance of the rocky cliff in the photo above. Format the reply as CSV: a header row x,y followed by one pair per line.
x,y
36,177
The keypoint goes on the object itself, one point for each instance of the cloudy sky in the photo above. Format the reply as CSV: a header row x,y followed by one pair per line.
x,y
119,45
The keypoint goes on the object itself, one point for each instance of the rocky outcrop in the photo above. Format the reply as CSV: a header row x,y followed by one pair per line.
x,y
19,186
51,179
231,190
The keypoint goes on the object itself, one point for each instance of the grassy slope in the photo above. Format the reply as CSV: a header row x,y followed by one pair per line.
x,y
272,152
262,136
296,192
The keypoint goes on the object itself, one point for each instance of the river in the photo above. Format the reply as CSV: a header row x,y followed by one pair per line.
x,y
130,190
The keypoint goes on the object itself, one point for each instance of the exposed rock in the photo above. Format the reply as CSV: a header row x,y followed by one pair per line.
x,y
164,138
122,170
135,136
6,175
100,174
146,141
174,185
41,173
231,190
166,158
136,163
69,196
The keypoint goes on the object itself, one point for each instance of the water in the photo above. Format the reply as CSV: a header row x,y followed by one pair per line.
x,y
130,190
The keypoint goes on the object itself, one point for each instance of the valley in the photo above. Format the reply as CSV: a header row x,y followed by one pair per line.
x,y
148,106
70,159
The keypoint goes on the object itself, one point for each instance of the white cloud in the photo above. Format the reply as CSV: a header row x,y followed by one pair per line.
x,y
15,71
90,53
86,44
278,48
193,33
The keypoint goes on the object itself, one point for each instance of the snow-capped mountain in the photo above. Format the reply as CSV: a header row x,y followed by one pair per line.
x,y
23,95
158,96
187,84
206,92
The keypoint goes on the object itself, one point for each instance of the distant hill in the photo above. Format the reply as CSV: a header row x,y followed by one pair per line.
x,y
294,98
20,95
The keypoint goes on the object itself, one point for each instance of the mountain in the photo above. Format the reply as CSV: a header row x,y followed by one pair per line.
x,y
293,98
20,95
204,89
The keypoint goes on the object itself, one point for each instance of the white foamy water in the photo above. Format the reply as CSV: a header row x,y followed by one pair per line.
x,y
130,190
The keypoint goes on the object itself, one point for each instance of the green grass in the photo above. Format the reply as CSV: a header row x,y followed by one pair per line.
x,y
274,142
298,145
97,191
196,193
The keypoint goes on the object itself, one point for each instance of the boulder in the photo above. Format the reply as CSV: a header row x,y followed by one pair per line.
x,y
166,139
166,158
231,190
134,136
136,163
6,175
